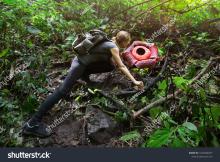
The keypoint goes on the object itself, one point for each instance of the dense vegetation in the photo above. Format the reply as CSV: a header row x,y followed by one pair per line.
x,y
35,37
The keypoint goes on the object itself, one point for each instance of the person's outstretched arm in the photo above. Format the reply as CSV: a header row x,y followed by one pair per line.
x,y
123,68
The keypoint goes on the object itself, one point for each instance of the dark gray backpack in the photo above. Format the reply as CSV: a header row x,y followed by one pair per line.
x,y
86,41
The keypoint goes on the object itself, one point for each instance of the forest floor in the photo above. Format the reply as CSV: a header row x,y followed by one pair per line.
x,y
73,131
89,124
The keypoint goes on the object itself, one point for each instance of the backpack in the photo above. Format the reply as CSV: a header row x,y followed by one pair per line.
x,y
86,41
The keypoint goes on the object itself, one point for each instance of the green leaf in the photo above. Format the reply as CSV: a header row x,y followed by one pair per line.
x,y
202,94
159,138
155,111
161,51
33,30
121,116
144,100
177,143
162,88
166,124
163,85
91,91
190,126
97,90
30,103
190,70
70,38
10,2
77,98
180,82
214,112
133,135
182,134
4,52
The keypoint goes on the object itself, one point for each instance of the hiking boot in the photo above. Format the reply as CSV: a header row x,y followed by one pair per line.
x,y
37,129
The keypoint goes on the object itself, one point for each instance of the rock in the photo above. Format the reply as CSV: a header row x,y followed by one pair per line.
x,y
101,77
111,79
100,126
45,142
97,126
69,133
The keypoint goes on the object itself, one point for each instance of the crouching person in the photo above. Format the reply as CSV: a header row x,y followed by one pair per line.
x,y
104,57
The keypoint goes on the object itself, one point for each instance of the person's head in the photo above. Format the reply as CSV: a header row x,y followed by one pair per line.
x,y
123,39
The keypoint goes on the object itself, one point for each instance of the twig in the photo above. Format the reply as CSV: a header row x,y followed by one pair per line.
x,y
191,9
108,112
163,99
158,77
118,103
213,98
54,73
155,103
150,9
212,20
138,4
203,71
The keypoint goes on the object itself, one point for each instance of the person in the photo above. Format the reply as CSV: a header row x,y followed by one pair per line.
x,y
104,57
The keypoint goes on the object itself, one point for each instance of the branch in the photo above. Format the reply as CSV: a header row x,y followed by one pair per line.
x,y
148,10
158,77
196,7
118,103
191,9
155,103
212,20
138,4
213,98
163,99
204,70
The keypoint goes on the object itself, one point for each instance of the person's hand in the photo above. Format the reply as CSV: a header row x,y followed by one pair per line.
x,y
139,85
